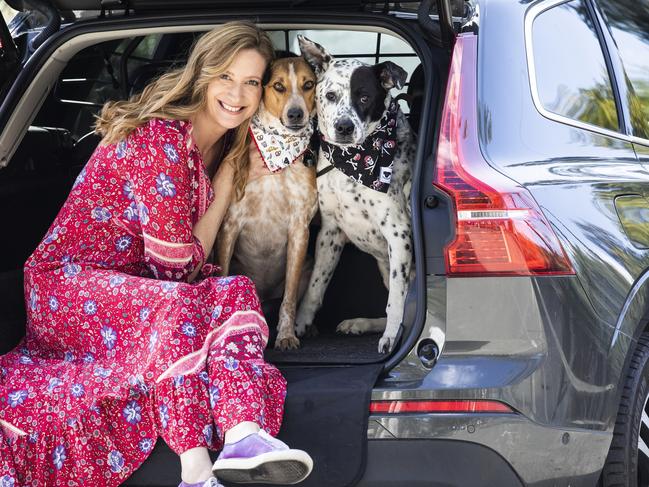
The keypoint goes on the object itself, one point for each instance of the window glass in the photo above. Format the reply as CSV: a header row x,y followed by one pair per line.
x,y
147,47
571,77
629,25
279,39
391,44
336,41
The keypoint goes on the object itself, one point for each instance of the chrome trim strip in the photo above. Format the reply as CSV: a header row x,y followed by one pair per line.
x,y
640,141
80,102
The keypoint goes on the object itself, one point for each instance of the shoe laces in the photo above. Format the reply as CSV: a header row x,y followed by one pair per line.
x,y
212,482
279,444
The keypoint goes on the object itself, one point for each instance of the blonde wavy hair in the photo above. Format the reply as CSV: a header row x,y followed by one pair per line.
x,y
181,93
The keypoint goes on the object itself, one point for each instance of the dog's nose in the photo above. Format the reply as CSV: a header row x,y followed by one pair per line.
x,y
294,115
344,127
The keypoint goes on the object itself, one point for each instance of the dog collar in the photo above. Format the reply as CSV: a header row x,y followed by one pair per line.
x,y
279,148
371,162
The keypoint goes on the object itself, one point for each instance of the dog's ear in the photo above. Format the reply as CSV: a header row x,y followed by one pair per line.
x,y
314,54
390,75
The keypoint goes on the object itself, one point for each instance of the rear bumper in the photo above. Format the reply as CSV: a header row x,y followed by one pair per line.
x,y
480,450
435,463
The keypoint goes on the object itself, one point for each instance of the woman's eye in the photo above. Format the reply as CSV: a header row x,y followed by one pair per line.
x,y
224,76
308,85
331,96
364,99
279,87
253,82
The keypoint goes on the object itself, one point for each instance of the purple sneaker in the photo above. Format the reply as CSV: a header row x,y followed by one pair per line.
x,y
260,458
211,482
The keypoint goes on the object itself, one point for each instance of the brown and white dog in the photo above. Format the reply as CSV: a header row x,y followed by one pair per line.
x,y
265,235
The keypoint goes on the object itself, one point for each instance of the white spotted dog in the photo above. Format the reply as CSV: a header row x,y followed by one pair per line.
x,y
265,235
363,183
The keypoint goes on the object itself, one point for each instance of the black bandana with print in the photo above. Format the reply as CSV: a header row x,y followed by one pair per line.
x,y
370,163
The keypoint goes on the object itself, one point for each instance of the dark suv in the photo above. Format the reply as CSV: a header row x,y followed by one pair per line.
x,y
523,357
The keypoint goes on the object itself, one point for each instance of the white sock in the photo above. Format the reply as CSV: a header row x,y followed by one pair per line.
x,y
240,431
196,465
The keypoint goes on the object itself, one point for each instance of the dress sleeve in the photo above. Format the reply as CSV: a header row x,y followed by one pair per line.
x,y
162,188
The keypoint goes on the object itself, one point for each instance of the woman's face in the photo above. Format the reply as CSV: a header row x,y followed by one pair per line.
x,y
234,95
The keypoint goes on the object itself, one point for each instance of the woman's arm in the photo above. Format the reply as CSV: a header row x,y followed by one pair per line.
x,y
208,225
162,191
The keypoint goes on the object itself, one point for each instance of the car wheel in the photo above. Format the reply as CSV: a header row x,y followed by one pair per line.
x,y
627,464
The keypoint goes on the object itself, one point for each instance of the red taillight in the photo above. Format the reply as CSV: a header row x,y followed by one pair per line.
x,y
454,406
500,228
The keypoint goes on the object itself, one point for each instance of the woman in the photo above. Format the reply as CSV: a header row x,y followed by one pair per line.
x,y
128,335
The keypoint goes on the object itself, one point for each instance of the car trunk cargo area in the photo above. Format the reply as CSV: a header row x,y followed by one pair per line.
x,y
330,377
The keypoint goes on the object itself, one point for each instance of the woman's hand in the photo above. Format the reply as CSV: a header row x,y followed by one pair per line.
x,y
223,179
257,167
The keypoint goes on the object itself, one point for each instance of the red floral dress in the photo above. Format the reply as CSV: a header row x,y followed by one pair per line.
x,y
120,349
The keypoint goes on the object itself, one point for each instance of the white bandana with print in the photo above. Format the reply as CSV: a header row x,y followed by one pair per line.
x,y
279,148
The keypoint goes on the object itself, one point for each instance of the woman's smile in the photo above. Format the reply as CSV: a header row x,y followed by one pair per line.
x,y
230,108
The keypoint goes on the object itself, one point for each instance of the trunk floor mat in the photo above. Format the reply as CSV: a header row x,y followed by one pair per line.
x,y
326,414
330,348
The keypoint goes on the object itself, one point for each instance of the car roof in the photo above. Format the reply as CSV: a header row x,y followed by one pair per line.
x,y
457,6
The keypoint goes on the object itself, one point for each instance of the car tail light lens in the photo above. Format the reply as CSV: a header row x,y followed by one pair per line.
x,y
500,228
453,406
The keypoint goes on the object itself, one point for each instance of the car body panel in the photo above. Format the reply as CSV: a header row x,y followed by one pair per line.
x,y
575,334
566,167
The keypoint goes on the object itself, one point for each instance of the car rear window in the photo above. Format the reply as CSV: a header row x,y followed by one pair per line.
x,y
572,77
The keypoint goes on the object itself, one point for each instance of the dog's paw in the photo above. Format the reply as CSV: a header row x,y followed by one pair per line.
x,y
301,328
355,326
287,343
386,344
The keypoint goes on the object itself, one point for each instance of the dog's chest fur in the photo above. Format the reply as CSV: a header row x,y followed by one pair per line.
x,y
271,206
361,212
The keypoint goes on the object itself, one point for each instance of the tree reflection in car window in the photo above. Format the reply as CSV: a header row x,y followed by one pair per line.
x,y
571,74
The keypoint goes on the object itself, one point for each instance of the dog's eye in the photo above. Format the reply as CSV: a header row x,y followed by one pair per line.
x,y
279,87
308,85
331,96
364,99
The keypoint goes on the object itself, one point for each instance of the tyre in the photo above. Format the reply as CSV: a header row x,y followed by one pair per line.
x,y
627,464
